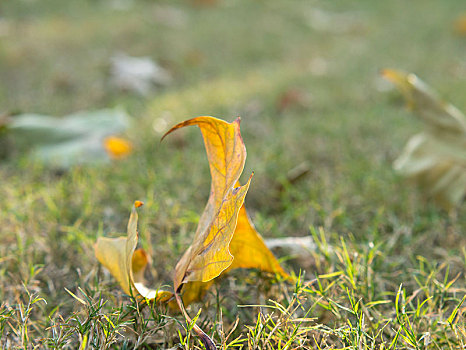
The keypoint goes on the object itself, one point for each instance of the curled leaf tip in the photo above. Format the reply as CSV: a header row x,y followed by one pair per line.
x,y
138,204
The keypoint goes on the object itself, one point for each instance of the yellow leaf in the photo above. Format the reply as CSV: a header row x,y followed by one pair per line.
x,y
249,249
208,255
125,263
222,240
435,158
225,237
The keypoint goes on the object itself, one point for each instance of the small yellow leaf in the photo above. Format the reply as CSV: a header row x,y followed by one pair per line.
x,y
435,158
125,263
117,147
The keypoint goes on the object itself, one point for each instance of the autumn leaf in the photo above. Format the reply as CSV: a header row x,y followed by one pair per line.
x,y
249,251
126,263
208,255
436,157
225,238
79,138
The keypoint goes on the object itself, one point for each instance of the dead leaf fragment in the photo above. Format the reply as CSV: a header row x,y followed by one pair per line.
x,y
293,98
125,263
435,158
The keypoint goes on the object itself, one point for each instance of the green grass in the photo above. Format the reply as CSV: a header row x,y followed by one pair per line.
x,y
388,271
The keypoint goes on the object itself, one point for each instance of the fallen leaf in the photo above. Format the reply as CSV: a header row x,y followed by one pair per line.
x,y
126,263
293,176
209,255
225,238
293,98
66,141
300,251
435,158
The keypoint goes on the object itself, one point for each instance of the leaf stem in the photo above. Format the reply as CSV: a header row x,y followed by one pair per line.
x,y
205,339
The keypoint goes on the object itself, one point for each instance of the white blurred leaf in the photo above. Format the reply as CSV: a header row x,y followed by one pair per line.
x,y
69,140
436,157
137,74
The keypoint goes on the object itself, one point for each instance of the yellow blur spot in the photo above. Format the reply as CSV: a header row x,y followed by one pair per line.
x,y
460,25
117,147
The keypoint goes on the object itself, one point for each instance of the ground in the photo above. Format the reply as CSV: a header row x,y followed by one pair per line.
x,y
388,270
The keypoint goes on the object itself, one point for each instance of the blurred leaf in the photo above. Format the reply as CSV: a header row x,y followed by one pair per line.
x,y
293,98
436,157
74,139
137,74
460,25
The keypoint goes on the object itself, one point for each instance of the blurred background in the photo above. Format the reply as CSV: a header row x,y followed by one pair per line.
x,y
304,77
321,127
